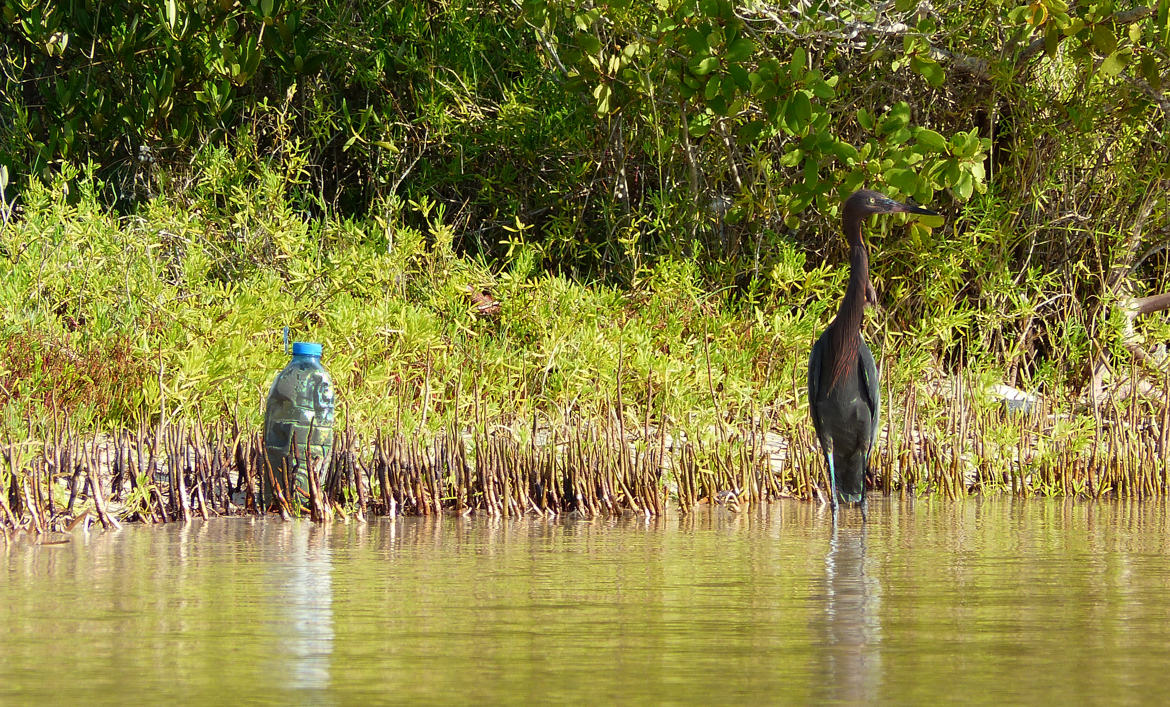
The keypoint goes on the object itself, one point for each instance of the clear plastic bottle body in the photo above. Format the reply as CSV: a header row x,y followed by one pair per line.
x,y
298,428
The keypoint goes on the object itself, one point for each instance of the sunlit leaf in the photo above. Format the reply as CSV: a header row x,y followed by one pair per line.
x,y
1113,64
701,66
699,125
844,151
603,97
904,180
965,185
931,140
929,69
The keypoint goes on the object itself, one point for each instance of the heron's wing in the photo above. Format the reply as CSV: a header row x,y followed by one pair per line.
x,y
815,360
869,376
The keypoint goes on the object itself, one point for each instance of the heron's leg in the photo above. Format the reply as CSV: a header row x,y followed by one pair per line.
x,y
864,514
832,480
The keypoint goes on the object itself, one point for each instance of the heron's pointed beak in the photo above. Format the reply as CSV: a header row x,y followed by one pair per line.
x,y
912,208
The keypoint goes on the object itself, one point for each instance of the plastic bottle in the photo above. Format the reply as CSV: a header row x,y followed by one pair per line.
x,y
299,404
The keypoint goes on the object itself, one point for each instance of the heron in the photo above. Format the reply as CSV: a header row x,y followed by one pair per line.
x,y
843,394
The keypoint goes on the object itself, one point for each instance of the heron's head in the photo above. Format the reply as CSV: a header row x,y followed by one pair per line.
x,y
866,201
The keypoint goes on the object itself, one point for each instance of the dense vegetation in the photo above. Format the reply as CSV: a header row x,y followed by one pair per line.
x,y
644,187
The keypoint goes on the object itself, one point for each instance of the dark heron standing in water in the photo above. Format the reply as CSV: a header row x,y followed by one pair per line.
x,y
842,378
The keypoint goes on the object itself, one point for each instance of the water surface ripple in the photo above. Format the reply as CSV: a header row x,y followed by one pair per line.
x,y
973,601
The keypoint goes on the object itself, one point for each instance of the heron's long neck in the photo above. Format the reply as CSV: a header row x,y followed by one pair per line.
x,y
847,325
853,306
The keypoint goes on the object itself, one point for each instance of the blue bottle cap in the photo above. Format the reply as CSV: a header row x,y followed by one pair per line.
x,y
305,348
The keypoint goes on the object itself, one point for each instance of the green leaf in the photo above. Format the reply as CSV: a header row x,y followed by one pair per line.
x,y
697,41
740,49
751,132
769,69
951,173
929,69
931,140
791,158
811,173
964,144
712,88
853,181
590,44
1150,72
845,152
896,118
898,137
931,221
772,108
766,95
699,125
821,117
865,118
1104,40
822,90
1052,38
798,112
740,76
727,87
965,185
1114,63
925,193
904,180
701,66
825,141
603,95
799,59
978,172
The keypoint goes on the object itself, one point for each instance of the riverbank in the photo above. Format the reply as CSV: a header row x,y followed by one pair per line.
x,y
509,387
970,445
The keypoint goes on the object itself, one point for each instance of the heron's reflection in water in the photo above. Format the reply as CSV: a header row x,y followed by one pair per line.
x,y
852,624
304,622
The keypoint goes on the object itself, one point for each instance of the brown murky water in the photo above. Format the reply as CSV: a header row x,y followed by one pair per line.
x,y
974,601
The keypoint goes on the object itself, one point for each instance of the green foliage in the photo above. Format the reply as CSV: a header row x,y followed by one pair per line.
x,y
112,80
192,293
375,93
351,169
